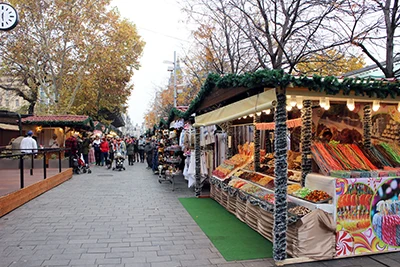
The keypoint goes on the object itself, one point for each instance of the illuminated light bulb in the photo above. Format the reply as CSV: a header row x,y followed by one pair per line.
x,y
251,115
327,104
398,107
258,113
299,102
375,105
293,101
239,118
350,104
268,111
244,117
322,102
289,107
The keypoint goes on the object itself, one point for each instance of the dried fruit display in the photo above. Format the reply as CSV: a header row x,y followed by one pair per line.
x,y
318,196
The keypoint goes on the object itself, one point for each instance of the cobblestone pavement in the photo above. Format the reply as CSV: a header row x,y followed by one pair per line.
x,y
126,218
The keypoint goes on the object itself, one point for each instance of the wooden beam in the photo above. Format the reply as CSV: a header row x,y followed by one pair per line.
x,y
16,199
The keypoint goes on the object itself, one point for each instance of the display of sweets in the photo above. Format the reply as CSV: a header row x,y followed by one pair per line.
x,y
300,211
251,176
294,160
238,160
221,173
250,189
317,196
294,176
264,181
237,183
260,194
302,192
293,188
238,173
270,185
386,221
270,198
268,171
250,166
246,149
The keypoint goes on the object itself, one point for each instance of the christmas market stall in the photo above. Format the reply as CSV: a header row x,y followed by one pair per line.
x,y
336,194
62,126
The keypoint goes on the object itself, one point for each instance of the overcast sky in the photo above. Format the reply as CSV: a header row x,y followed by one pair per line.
x,y
160,23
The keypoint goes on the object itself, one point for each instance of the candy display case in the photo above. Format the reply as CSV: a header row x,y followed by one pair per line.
x,y
254,205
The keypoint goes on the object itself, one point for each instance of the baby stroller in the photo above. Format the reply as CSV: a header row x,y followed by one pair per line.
x,y
79,165
119,162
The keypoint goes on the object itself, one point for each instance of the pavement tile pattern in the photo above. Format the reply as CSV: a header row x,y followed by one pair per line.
x,y
110,218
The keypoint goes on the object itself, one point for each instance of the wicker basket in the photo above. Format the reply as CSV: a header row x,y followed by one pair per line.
x,y
252,215
232,201
241,208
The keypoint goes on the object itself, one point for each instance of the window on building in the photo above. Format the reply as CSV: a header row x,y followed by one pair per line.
x,y
17,102
7,103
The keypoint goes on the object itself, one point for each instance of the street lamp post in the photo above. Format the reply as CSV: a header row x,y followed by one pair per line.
x,y
174,75
174,79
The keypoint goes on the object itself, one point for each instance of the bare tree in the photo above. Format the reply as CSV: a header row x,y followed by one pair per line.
x,y
371,26
220,44
289,31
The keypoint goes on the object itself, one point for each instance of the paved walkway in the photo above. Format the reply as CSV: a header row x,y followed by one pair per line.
x,y
126,218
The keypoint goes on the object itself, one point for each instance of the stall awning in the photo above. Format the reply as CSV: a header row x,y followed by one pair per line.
x,y
250,105
9,127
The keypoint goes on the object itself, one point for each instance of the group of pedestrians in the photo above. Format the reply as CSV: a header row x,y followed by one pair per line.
x,y
101,150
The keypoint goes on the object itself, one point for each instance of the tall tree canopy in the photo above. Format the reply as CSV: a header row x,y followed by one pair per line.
x,y
330,62
78,55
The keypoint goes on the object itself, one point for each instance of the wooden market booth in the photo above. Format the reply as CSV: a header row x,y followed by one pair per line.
x,y
62,125
226,99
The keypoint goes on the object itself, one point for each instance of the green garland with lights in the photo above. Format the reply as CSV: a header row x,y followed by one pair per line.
x,y
331,85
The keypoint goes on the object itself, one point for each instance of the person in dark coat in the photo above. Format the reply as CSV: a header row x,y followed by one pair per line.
x,y
136,156
85,148
148,149
130,151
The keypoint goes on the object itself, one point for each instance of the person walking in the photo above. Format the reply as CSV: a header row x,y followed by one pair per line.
x,y
104,148
28,144
110,141
85,148
135,150
97,151
148,149
71,145
141,144
130,151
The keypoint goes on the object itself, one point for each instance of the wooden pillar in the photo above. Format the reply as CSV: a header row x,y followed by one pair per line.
x,y
197,160
257,144
306,135
367,125
280,210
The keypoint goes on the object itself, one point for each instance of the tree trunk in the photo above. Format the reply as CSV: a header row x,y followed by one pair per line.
x,y
31,109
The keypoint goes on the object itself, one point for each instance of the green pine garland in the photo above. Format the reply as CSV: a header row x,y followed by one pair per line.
x,y
280,210
278,78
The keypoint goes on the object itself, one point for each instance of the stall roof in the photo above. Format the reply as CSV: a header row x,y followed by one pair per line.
x,y
81,121
9,127
250,105
218,91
